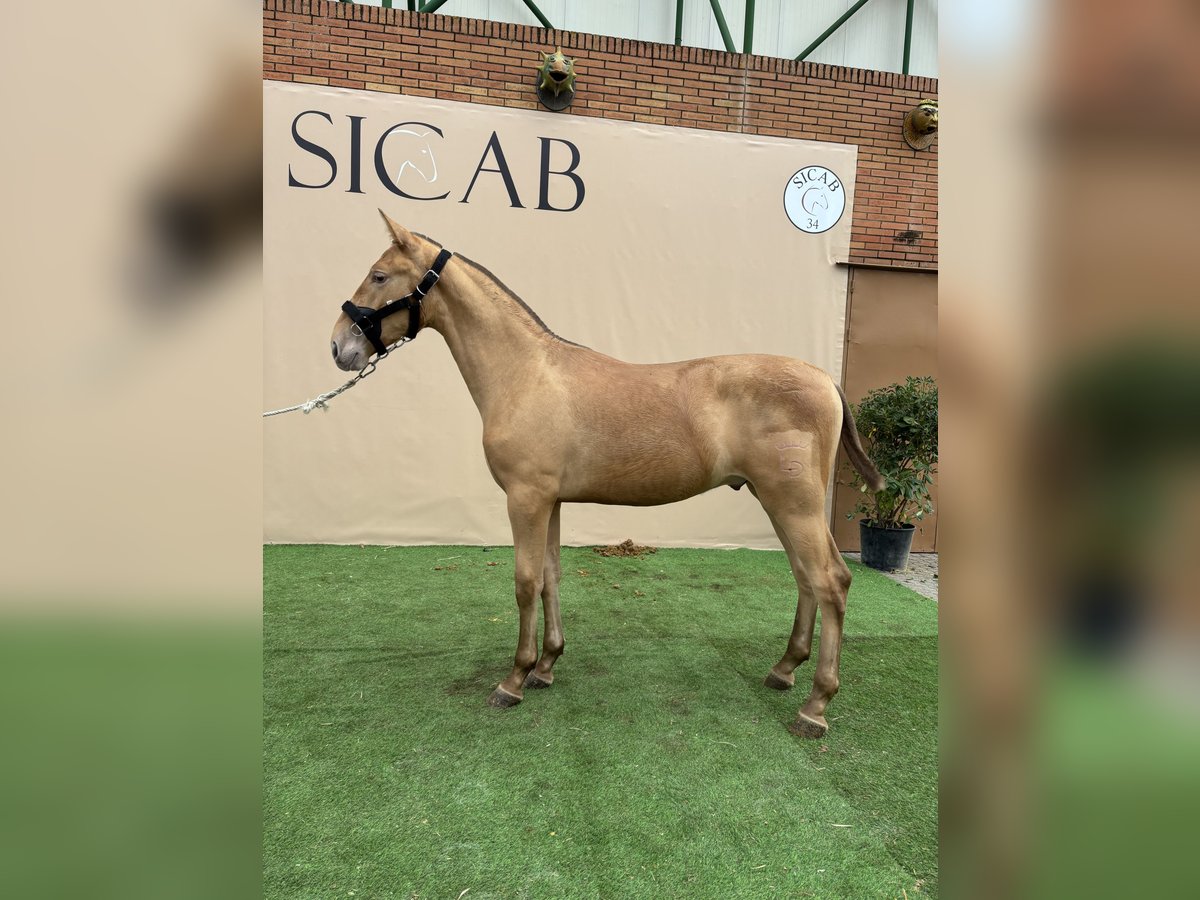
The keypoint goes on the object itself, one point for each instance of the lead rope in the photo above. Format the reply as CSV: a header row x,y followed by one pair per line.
x,y
322,402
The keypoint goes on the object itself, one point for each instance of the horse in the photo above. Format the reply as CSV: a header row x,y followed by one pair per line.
x,y
563,423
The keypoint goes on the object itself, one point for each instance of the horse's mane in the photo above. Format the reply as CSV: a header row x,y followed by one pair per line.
x,y
483,270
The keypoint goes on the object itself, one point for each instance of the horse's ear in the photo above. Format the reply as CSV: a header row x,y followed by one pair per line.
x,y
400,235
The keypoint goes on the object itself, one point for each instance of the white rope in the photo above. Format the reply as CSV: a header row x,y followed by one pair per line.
x,y
322,401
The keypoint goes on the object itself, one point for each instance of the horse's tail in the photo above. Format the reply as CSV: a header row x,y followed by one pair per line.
x,y
854,448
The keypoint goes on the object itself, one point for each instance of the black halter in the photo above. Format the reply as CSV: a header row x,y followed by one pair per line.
x,y
369,322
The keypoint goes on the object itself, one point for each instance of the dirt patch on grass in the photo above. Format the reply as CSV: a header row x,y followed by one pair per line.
x,y
626,548
478,682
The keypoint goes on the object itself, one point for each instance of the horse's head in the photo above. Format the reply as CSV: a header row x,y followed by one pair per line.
x,y
392,276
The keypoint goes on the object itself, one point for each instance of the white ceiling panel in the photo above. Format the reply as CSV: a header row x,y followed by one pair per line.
x,y
873,38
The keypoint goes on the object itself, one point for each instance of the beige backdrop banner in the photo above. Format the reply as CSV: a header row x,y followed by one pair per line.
x,y
681,247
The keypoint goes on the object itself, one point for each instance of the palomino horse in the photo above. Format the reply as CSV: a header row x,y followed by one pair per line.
x,y
562,423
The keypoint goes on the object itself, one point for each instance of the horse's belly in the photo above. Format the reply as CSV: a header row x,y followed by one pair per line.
x,y
646,481
615,496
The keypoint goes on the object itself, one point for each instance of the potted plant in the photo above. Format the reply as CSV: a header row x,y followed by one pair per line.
x,y
899,427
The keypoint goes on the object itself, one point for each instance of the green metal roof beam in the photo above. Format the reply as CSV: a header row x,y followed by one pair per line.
x,y
748,35
725,35
435,5
830,30
908,35
678,22
537,12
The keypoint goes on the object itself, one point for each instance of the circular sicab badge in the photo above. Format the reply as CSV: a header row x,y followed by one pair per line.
x,y
814,199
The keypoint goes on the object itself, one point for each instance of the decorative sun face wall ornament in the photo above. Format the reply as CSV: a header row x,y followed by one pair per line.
x,y
921,124
556,80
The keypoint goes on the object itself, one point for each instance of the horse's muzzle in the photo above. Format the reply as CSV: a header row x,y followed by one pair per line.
x,y
347,354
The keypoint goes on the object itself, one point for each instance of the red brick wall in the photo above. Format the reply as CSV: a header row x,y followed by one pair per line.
x,y
469,60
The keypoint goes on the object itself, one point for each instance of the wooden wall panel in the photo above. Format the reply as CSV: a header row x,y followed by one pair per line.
x,y
891,333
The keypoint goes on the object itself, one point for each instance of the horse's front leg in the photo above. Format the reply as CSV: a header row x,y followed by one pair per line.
x,y
529,512
552,634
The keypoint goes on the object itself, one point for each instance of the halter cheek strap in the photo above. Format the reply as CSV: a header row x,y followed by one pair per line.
x,y
369,322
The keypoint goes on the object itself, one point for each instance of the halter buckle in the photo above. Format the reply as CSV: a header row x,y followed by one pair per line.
x,y
433,278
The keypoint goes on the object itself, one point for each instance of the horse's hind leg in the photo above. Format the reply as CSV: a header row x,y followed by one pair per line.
x,y
829,579
552,634
799,647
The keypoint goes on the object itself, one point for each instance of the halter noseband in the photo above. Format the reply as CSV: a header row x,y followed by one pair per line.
x,y
369,322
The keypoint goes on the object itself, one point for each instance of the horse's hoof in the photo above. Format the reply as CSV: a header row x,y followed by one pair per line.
x,y
535,681
776,682
809,727
502,699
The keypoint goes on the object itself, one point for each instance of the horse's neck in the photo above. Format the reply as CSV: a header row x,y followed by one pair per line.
x,y
494,340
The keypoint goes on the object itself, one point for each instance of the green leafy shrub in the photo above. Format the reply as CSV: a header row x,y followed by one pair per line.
x,y
899,428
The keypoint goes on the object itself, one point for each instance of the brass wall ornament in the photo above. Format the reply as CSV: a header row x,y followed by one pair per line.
x,y
556,80
921,124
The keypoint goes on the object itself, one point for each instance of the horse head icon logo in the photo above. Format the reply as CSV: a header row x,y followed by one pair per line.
x,y
415,150
814,201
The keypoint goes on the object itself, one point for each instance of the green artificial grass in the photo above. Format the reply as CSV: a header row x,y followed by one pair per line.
x,y
657,765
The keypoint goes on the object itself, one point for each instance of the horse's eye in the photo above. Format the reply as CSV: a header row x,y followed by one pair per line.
x,y
378,277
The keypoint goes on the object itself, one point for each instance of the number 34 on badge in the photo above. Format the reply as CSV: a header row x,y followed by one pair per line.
x,y
814,199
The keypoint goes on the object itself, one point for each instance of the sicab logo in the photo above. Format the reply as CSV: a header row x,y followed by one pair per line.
x,y
406,163
814,199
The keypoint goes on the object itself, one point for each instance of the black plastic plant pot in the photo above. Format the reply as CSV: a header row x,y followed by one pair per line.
x,y
885,549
